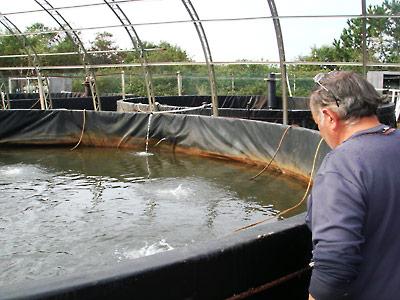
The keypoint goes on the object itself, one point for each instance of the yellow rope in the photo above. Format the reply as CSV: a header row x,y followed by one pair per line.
x,y
83,130
308,186
274,155
298,204
254,224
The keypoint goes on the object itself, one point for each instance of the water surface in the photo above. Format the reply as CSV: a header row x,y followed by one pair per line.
x,y
63,211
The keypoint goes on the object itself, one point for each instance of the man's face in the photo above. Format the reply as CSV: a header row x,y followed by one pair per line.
x,y
324,123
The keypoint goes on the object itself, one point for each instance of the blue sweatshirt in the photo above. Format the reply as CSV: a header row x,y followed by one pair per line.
x,y
354,216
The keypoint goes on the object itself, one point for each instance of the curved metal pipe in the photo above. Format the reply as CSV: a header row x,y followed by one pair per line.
x,y
45,98
138,45
364,37
207,53
5,101
225,63
74,37
210,20
282,59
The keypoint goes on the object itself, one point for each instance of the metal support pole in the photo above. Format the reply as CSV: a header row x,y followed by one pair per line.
x,y
9,86
272,101
123,84
3,100
14,30
74,37
294,84
207,53
179,80
139,47
41,94
364,37
288,85
282,59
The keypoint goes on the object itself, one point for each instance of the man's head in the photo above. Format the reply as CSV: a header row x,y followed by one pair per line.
x,y
341,100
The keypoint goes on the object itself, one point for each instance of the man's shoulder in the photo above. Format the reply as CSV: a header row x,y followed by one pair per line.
x,y
345,160
363,152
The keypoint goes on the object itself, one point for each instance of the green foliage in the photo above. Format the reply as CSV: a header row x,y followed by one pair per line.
x,y
62,46
382,42
10,45
104,42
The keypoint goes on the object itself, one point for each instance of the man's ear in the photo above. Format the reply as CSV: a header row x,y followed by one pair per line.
x,y
331,117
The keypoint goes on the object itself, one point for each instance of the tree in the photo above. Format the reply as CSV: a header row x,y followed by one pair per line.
x,y
10,45
104,42
164,77
383,38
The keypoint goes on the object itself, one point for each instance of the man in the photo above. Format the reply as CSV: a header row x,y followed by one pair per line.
x,y
354,206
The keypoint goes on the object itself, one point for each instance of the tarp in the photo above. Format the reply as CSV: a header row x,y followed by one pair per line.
x,y
108,103
245,107
243,140
224,101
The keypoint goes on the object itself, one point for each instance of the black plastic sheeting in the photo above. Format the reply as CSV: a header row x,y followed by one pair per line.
x,y
238,139
227,101
246,107
298,117
108,103
35,96
213,270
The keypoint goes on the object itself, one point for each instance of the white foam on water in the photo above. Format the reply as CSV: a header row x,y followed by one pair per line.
x,y
22,172
146,250
177,192
143,154
181,191
12,171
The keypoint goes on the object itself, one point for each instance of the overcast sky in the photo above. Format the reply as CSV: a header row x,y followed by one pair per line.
x,y
229,40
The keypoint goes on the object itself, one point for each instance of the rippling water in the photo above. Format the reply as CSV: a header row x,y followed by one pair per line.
x,y
65,211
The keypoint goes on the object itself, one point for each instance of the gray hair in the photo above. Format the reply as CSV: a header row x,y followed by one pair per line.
x,y
355,96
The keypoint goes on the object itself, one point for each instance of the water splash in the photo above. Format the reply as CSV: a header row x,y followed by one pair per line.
x,y
177,192
143,154
12,171
146,250
148,133
180,191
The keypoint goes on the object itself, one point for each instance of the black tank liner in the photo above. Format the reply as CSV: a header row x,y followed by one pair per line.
x,y
245,107
63,100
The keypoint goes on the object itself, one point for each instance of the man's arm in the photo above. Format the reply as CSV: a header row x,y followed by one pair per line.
x,y
338,211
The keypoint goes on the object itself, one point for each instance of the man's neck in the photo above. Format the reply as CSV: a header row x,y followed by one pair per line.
x,y
360,125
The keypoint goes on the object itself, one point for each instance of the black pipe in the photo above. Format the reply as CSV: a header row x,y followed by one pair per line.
x,y
272,100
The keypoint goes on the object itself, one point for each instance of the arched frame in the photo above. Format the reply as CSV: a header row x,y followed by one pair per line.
x,y
194,19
